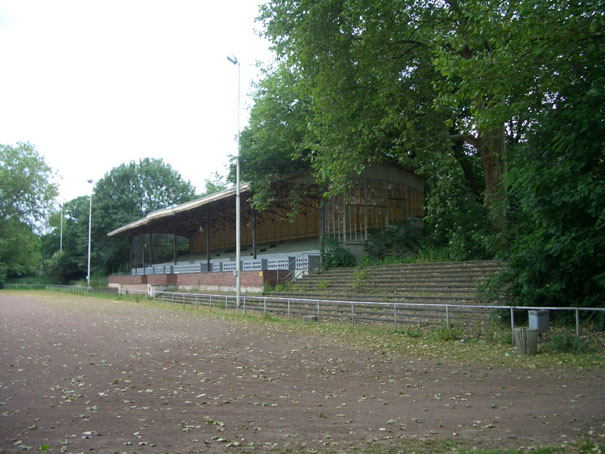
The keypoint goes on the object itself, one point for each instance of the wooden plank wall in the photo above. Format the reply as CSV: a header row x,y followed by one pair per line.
x,y
371,205
270,227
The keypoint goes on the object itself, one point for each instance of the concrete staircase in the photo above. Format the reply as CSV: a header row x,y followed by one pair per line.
x,y
431,283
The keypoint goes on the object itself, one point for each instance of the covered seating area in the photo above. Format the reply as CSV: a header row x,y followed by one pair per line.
x,y
193,245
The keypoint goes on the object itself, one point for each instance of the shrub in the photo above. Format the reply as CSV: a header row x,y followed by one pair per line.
x,y
566,342
335,255
397,240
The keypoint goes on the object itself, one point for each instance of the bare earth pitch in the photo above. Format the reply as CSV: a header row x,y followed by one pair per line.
x,y
89,375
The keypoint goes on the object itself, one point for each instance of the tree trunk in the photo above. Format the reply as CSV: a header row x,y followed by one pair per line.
x,y
491,147
490,144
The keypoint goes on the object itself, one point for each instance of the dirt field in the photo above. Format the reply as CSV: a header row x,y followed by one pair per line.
x,y
84,375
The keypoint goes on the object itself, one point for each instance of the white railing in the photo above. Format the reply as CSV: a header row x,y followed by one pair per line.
x,y
343,310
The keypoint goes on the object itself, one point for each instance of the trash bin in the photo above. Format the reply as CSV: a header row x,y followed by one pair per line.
x,y
526,341
539,320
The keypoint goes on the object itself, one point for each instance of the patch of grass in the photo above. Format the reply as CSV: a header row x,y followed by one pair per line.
x,y
489,451
360,277
566,342
322,284
445,334
580,446
414,333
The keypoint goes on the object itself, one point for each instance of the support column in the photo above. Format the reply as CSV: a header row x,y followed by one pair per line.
x,y
322,229
365,211
130,254
151,249
208,239
253,233
344,219
174,247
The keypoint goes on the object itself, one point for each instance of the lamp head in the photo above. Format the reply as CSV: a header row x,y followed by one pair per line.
x,y
232,59
90,181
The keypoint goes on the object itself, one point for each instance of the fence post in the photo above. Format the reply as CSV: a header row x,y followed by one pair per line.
x,y
512,325
447,316
210,302
244,305
226,303
395,314
353,315
318,312
265,306
288,310
577,323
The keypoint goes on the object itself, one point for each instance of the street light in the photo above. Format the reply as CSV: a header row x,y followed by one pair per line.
x,y
233,59
61,230
89,223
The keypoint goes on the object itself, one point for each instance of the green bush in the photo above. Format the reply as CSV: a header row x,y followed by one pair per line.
x,y
399,240
556,247
335,255
566,342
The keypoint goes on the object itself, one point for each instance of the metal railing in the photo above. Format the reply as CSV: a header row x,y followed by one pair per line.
x,y
353,312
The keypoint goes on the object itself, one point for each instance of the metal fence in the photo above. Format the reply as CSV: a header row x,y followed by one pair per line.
x,y
353,312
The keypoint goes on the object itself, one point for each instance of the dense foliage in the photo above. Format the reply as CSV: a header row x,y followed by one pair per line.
x,y
26,194
126,193
557,181
498,103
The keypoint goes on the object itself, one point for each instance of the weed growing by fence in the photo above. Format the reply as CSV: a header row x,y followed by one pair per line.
x,y
566,342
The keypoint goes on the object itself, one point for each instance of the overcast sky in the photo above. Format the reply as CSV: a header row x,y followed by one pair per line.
x,y
95,83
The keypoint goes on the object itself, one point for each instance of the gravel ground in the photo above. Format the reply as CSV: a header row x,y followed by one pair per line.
x,y
89,375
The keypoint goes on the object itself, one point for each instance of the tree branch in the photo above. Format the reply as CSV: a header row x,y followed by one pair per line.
x,y
465,138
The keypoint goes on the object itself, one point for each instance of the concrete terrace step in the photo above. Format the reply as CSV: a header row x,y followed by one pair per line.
x,y
424,282
383,298
371,289
452,272
480,265
430,283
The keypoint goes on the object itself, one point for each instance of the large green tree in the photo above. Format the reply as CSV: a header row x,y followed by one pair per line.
x,y
274,143
26,188
556,254
126,193
26,195
405,78
70,263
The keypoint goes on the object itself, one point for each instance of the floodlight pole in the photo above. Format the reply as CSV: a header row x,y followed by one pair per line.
x,y
238,278
61,230
89,225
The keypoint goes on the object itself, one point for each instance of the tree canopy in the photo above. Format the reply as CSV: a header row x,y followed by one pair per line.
x,y
126,193
26,188
26,194
404,78
499,103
